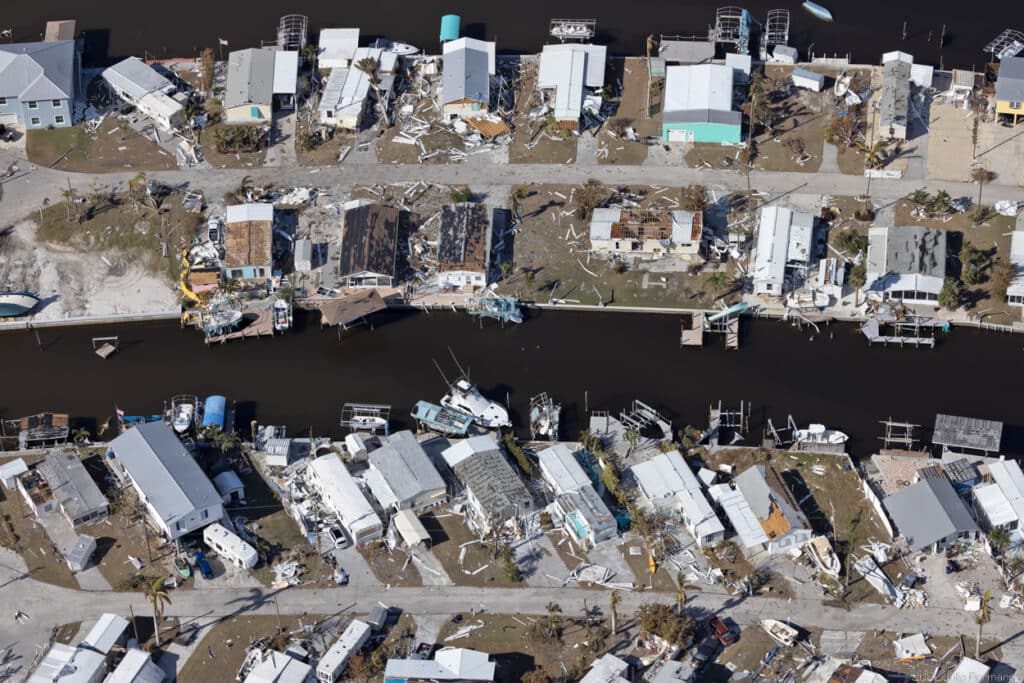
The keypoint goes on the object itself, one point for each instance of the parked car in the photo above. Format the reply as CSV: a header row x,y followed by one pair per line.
x,y
721,632
203,565
338,536
707,652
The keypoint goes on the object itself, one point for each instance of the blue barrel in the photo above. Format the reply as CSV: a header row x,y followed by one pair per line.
x,y
451,24
213,411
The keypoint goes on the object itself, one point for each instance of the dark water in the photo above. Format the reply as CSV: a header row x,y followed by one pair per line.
x,y
865,29
303,378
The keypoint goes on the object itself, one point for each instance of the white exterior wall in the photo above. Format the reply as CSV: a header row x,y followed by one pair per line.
x,y
461,278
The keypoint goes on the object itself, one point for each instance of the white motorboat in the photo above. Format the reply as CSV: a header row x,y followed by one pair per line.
x,y
183,413
842,84
817,10
823,555
368,423
818,433
569,29
465,397
403,49
544,417
781,632
282,313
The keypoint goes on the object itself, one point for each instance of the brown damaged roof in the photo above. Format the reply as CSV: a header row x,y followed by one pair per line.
x,y
651,225
247,243
463,243
369,240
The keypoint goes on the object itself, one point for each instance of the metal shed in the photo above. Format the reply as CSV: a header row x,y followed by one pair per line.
x,y
81,553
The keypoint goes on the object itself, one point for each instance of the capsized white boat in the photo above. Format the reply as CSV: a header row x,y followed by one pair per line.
x,y
465,397
544,417
842,84
817,10
782,633
823,555
17,303
818,433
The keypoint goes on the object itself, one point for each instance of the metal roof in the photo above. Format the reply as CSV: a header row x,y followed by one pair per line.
x,y
136,78
1008,475
967,432
136,667
700,88
406,468
783,237
351,639
173,483
277,667
1010,83
741,517
241,213
991,500
928,511
345,92
71,484
38,71
250,77
467,68
65,664
106,632
369,238
409,527
336,47
607,669
449,664
560,466
665,475
907,250
342,494
568,68
286,72
686,51
894,102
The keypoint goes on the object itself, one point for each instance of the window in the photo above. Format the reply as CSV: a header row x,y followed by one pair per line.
x,y
34,120
3,101
206,513
1015,105
55,103
33,104
58,119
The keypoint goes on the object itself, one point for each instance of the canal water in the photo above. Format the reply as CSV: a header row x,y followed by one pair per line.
x,y
866,29
599,361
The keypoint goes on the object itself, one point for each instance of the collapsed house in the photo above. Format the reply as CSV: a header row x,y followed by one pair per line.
x,y
468,65
648,233
783,248
61,483
345,99
368,256
572,75
464,246
341,496
147,90
494,491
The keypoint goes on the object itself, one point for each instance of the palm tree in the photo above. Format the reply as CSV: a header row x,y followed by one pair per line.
x,y
632,437
613,599
717,281
682,583
999,539
506,554
747,158
157,597
981,618
554,620
370,67
69,196
981,175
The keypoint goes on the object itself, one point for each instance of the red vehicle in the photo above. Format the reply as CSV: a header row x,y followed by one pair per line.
x,y
720,631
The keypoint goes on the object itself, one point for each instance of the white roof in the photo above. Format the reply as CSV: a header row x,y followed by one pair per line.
x,y
286,72
277,667
1017,259
607,669
601,222
682,227
244,213
136,667
783,236
1008,475
66,664
105,634
409,527
560,466
351,639
345,93
386,60
379,488
742,518
568,69
217,533
136,78
160,105
406,468
990,498
896,55
337,45
449,664
466,448
698,87
227,482
665,475
13,468
970,671
342,494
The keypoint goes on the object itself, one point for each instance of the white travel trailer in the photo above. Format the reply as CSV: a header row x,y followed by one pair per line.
x,y
230,547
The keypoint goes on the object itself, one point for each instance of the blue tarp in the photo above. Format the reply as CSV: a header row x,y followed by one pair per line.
x,y
451,24
213,411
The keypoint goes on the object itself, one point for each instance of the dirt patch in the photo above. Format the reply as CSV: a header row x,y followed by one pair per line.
x,y
746,654
437,147
208,142
114,146
878,649
537,140
633,112
639,564
567,551
391,567
323,152
448,536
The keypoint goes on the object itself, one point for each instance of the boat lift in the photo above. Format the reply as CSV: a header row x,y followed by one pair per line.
x,y
573,29
736,420
641,416
366,417
899,433
1009,43
776,30
104,347
732,26
504,309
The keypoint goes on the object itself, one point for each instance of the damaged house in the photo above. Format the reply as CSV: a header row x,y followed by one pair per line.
x,y
468,65
142,86
581,509
894,104
494,491
346,95
669,486
248,241
783,248
646,233
763,511
906,263
62,483
571,75
464,246
368,256
259,78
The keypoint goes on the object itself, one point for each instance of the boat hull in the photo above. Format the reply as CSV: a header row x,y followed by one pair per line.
x,y
13,304
818,11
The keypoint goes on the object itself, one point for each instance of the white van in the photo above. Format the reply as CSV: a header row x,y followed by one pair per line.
x,y
230,547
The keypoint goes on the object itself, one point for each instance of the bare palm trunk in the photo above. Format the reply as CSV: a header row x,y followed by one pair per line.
x,y
977,643
156,625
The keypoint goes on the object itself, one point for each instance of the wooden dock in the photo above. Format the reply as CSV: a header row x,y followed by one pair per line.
x,y
872,329
732,333
694,334
262,325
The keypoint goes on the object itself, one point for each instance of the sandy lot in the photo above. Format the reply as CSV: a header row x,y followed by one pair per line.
x,y
104,283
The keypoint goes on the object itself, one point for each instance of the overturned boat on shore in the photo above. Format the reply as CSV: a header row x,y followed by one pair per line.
x,y
780,632
13,304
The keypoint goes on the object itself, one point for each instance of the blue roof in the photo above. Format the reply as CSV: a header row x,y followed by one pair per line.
x,y
451,24
213,411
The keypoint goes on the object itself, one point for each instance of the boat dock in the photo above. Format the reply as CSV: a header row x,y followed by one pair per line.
x,y
262,325
910,332
725,322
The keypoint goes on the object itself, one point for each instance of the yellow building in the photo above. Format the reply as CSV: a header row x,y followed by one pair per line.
x,y
1010,88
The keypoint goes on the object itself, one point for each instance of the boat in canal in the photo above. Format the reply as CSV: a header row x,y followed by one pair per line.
x,y
403,49
819,433
13,304
183,412
465,397
780,632
824,556
220,319
282,315
817,10
544,417
440,419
